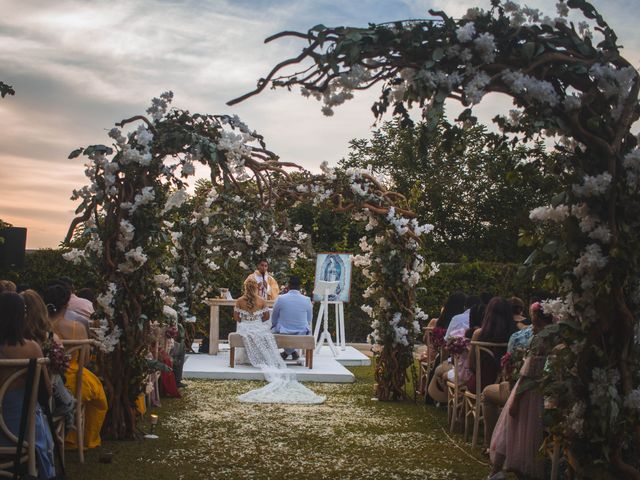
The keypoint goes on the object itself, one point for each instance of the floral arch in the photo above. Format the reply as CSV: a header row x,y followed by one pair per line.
x,y
136,213
570,84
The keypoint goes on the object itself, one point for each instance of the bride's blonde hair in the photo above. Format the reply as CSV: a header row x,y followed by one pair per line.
x,y
251,292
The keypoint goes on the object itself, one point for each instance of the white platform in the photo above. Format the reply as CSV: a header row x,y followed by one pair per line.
x,y
326,368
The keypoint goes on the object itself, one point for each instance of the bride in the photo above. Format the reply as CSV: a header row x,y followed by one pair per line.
x,y
252,317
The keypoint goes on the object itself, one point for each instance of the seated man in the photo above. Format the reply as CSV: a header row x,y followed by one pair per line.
x,y
292,314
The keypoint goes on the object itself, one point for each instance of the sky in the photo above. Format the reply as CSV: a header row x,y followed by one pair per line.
x,y
80,66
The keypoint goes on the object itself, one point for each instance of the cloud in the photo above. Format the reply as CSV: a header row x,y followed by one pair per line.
x,y
80,66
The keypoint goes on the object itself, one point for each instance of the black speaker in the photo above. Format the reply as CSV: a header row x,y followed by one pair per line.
x,y
12,247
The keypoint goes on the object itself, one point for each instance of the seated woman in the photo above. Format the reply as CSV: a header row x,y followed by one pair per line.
x,y
262,350
517,305
38,328
438,385
497,327
13,345
519,432
94,399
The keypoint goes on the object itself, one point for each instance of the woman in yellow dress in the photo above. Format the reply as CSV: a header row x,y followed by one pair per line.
x,y
93,396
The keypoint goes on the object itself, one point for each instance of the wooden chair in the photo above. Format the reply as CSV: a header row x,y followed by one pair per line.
x,y
472,403
29,444
455,395
426,367
81,348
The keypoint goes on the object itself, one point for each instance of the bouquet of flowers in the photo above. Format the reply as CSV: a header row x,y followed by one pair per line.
x,y
58,358
437,337
457,345
171,332
511,363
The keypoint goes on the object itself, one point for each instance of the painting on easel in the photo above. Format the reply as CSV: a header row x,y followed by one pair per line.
x,y
334,267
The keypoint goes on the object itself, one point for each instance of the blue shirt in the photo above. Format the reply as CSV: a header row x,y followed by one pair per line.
x,y
520,339
292,314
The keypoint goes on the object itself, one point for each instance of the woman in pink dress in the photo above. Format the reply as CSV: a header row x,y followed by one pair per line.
x,y
519,432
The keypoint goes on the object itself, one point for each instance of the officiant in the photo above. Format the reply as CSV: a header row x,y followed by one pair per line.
x,y
268,288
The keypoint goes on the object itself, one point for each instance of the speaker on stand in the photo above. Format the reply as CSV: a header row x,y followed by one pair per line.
x,y
12,247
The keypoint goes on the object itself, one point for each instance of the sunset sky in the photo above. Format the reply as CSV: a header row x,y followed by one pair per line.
x,y
80,66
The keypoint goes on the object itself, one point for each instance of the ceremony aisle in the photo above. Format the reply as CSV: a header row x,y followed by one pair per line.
x,y
209,434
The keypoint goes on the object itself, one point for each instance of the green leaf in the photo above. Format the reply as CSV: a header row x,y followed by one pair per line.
x,y
76,153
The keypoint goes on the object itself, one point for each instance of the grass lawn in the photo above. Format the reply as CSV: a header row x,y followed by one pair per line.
x,y
208,434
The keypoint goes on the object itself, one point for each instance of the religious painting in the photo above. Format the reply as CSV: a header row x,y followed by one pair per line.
x,y
334,267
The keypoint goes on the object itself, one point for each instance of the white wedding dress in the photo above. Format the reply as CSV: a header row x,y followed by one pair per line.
x,y
262,351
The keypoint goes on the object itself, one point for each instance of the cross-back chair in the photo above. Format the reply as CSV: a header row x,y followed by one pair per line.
x,y
8,453
472,403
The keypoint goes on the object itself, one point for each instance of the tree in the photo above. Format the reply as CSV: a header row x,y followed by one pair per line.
x,y
475,187
580,93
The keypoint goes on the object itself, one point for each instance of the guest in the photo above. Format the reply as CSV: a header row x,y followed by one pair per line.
x,y
519,432
453,306
79,309
178,355
8,286
460,323
497,327
38,328
292,315
13,345
495,396
267,286
438,386
517,306
94,399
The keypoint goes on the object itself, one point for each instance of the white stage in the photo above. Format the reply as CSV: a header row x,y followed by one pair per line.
x,y
326,367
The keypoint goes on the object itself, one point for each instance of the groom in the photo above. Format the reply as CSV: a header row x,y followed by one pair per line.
x,y
292,314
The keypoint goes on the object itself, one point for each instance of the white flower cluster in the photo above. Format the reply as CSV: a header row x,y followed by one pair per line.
x,y
593,185
419,314
474,89
519,16
175,200
558,307
614,82
107,338
400,333
412,276
549,213
631,164
235,145
368,309
575,420
531,88
146,196
74,256
170,313
134,259
590,262
632,401
159,106
106,299
339,89
603,390
126,234
400,223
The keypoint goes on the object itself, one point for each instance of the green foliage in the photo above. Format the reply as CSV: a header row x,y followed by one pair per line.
x,y
42,267
474,187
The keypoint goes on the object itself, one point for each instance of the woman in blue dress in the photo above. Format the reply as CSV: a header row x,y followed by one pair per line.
x,y
13,345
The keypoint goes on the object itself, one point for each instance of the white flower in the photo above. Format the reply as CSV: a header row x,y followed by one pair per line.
x,y
590,261
485,44
632,401
531,87
175,200
593,185
474,90
549,213
169,312
601,234
74,256
367,309
144,137
127,232
384,303
105,300
466,32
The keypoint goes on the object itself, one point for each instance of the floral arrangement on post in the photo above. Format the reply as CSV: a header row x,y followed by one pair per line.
x,y
58,358
457,345
437,338
135,186
570,83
